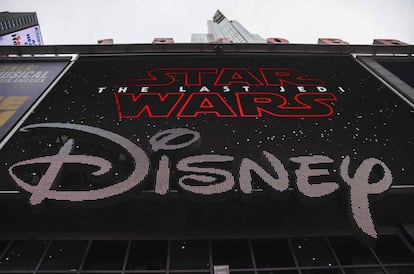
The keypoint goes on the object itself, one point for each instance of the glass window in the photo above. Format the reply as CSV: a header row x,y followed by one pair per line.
x,y
321,271
189,255
105,255
312,252
278,272
400,270
187,272
272,253
23,255
64,255
391,249
369,270
351,252
89,272
234,253
147,255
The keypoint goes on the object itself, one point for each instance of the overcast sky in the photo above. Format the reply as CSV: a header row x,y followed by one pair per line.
x,y
139,21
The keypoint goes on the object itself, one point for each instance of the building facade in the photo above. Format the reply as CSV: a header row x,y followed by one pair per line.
x,y
220,28
182,159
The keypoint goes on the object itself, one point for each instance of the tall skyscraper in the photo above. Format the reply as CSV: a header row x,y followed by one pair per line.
x,y
222,28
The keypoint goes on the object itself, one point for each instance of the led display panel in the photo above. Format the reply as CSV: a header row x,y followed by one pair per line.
x,y
174,145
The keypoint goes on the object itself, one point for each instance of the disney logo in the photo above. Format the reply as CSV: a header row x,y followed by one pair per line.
x,y
197,176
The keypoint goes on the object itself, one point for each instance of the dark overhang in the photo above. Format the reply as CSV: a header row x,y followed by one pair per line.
x,y
187,48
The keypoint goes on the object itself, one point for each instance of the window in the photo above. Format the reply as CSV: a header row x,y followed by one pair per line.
x,y
311,255
272,253
312,252
189,255
234,253
64,255
148,255
391,249
351,252
106,255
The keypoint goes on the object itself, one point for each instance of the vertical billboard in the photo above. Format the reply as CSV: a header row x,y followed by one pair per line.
x,y
21,84
174,145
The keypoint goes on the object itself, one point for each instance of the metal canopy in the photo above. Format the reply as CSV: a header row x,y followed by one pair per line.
x,y
188,48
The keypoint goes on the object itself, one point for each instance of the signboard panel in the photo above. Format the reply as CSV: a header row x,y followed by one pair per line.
x,y
21,84
178,144
25,37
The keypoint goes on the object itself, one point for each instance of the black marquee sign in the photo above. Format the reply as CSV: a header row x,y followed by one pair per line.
x,y
206,127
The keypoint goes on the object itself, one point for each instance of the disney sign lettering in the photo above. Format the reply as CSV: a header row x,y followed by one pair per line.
x,y
201,180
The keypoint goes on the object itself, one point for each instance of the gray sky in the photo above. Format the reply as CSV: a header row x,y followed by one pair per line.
x,y
299,21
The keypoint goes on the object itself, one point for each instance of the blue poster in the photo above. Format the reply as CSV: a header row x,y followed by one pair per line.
x,y
21,84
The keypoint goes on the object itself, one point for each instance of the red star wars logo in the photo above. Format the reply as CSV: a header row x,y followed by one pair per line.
x,y
279,92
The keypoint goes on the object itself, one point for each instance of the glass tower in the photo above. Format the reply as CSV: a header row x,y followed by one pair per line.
x,y
220,27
